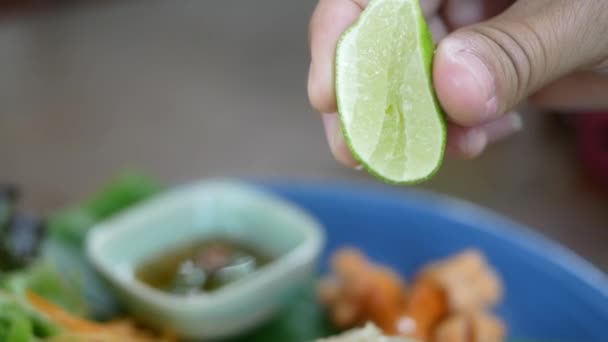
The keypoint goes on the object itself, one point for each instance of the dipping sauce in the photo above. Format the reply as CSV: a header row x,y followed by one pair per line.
x,y
202,266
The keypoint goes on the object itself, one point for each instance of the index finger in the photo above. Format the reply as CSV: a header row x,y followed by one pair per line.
x,y
329,20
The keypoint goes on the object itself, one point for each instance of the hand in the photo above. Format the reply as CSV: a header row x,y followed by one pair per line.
x,y
492,55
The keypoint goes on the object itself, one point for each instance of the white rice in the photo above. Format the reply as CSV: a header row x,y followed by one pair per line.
x,y
369,333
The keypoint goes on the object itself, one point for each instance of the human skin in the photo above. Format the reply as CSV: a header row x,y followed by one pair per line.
x,y
491,56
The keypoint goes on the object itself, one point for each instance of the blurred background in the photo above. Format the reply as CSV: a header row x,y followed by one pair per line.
x,y
188,89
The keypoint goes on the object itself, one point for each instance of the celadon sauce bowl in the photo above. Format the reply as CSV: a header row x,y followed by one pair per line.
x,y
221,208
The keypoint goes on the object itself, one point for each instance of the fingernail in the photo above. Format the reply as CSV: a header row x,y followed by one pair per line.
x,y
359,167
309,85
503,127
330,123
472,143
517,123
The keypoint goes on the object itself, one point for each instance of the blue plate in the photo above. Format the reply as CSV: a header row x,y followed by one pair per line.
x,y
551,294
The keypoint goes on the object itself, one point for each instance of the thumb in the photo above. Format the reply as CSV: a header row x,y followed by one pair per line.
x,y
482,71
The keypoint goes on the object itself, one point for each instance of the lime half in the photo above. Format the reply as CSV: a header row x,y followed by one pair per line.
x,y
390,116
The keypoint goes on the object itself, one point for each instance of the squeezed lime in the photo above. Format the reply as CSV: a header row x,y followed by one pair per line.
x,y
389,113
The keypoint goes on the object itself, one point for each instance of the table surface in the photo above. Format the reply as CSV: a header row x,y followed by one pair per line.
x,y
192,89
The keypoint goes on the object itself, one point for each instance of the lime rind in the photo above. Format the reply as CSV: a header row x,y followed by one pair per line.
x,y
426,49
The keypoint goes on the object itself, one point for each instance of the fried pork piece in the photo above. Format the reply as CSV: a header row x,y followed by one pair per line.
x,y
460,286
469,282
360,291
427,306
475,327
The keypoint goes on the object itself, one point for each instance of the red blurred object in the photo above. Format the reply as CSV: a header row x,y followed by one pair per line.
x,y
592,140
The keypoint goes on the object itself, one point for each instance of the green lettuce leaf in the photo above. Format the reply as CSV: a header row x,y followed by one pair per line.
x,y
72,224
68,229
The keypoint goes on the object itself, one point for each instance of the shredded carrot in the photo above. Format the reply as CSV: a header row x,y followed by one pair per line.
x,y
78,329
62,317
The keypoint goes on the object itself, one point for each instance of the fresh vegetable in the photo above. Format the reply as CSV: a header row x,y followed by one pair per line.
x,y
68,229
77,329
44,279
19,322
75,290
72,224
